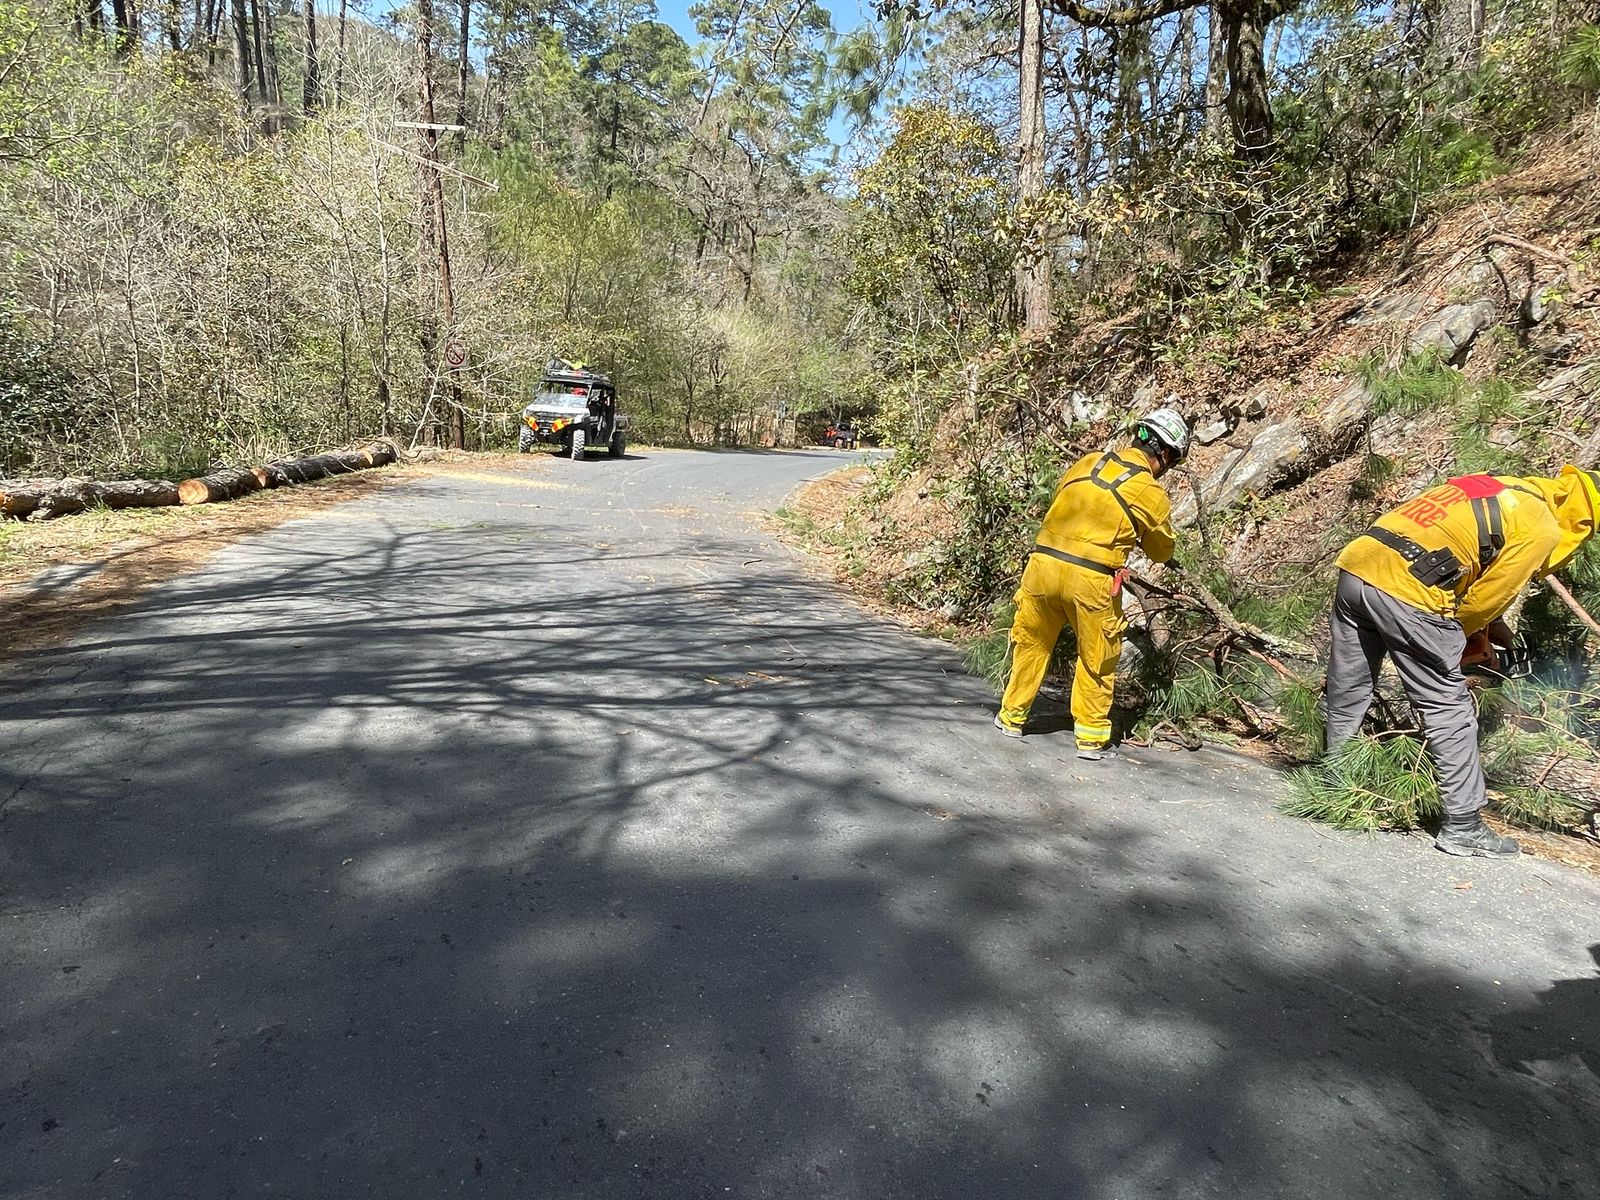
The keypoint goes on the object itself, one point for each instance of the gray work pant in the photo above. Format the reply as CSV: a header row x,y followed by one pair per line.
x,y
1426,649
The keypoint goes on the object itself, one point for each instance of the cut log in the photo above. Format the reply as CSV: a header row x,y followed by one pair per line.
x,y
318,466
227,484
381,454
19,497
41,499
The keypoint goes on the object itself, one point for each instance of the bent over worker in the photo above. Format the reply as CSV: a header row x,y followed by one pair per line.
x,y
1426,578
1105,505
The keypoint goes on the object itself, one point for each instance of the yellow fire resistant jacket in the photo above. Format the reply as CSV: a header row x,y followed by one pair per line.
x,y
1538,524
1105,505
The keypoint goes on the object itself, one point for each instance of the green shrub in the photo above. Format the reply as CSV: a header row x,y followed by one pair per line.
x,y
1422,383
1580,60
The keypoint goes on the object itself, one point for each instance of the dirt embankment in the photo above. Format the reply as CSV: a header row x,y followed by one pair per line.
x,y
1298,450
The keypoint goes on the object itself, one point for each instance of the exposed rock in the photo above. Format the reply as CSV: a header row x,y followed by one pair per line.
x,y
1454,329
1256,407
1391,433
1213,432
1086,407
1351,405
1534,308
1278,451
1563,385
1397,308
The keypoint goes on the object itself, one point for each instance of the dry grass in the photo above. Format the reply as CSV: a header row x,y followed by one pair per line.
x,y
98,562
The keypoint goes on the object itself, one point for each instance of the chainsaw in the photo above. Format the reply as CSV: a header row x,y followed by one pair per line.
x,y
1483,657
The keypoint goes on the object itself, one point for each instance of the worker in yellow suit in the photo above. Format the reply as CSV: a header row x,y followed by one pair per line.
x,y
1105,506
1427,579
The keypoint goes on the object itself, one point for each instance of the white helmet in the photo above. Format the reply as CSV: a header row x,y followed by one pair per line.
x,y
1167,428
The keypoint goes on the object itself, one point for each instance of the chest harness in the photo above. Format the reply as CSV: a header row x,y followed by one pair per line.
x,y
1441,568
1114,486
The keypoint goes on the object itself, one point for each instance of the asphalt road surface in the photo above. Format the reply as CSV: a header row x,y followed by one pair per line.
x,y
560,834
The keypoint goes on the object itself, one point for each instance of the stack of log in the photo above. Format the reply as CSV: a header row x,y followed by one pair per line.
x,y
42,499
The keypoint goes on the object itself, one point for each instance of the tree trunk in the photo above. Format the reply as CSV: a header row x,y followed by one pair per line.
x,y
173,22
434,216
311,89
41,499
1572,775
338,70
258,32
274,90
227,484
1458,34
213,29
285,472
1216,95
463,73
241,51
123,13
1249,109
1188,44
1033,268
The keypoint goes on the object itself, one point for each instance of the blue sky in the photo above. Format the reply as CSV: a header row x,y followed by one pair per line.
x,y
847,14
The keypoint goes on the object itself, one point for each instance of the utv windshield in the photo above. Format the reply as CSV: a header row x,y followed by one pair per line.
x,y
562,398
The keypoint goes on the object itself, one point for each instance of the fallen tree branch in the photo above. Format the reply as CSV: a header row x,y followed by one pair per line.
x,y
1197,595
1567,598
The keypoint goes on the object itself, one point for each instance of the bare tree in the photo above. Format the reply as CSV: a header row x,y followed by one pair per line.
x,y
463,71
434,240
1242,25
242,73
311,84
1033,268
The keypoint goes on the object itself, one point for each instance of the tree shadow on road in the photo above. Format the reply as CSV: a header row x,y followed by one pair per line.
x,y
324,878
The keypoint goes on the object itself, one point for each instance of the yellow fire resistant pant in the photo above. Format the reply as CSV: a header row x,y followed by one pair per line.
x,y
1055,594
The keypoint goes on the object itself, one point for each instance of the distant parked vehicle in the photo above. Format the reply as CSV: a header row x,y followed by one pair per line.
x,y
841,437
576,409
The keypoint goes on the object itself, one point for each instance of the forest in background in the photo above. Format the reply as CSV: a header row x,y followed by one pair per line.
x,y
222,234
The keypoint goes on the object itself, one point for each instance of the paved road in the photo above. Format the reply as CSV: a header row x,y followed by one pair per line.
x,y
559,835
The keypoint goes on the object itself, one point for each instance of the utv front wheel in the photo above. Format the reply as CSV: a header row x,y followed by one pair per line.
x,y
839,443
525,441
578,439
619,446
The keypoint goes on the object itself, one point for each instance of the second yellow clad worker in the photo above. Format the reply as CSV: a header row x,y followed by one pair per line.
x,y
1419,584
1105,505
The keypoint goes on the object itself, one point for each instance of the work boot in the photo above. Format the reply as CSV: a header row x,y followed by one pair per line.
x,y
1467,836
1097,754
1009,730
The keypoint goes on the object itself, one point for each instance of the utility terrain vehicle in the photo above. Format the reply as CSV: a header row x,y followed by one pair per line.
x,y
576,409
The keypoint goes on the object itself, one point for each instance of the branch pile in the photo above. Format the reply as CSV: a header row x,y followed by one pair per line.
x,y
43,499
1531,753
